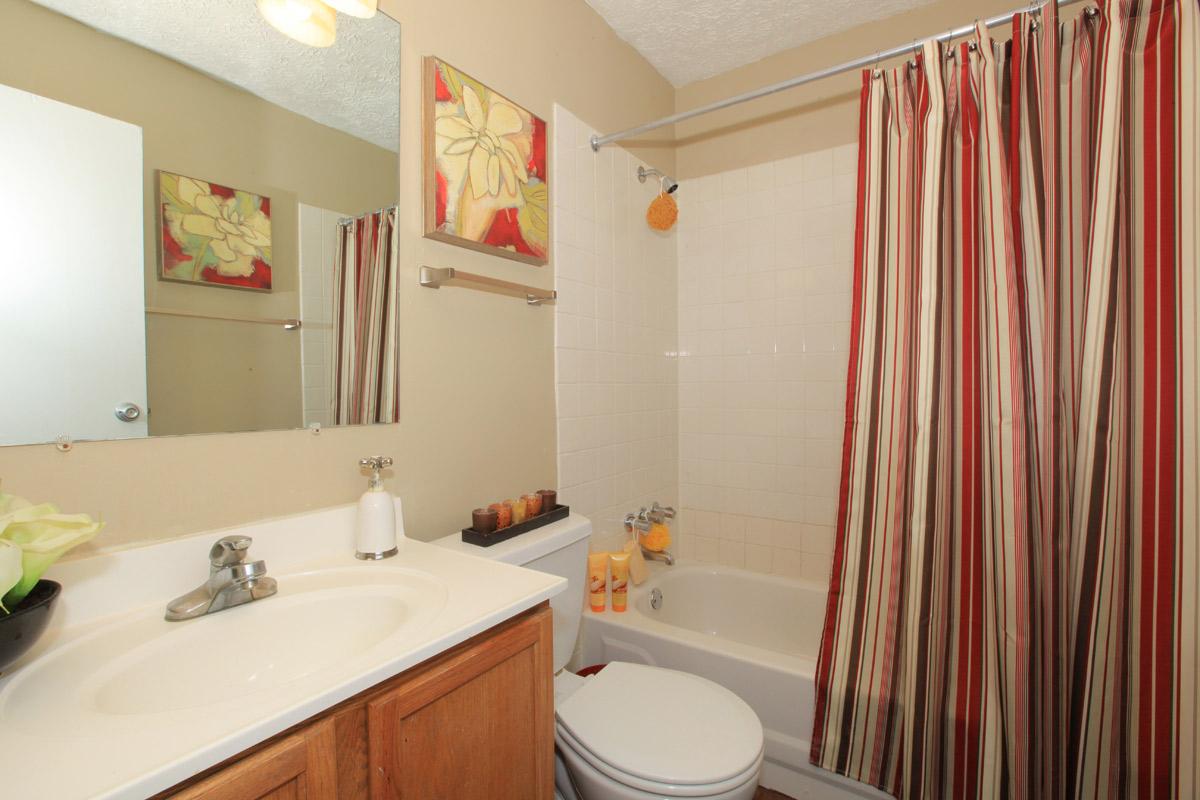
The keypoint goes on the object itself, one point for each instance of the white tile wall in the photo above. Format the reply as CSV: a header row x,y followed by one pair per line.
x,y
765,257
318,248
616,329
707,365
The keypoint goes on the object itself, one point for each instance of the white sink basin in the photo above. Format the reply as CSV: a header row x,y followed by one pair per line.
x,y
142,667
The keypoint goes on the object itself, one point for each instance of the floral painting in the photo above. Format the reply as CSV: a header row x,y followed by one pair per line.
x,y
214,235
485,168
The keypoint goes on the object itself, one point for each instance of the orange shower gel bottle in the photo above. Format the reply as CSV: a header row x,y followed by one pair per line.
x,y
597,578
619,564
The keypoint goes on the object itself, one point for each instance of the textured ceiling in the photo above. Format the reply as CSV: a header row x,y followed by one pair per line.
x,y
353,86
689,40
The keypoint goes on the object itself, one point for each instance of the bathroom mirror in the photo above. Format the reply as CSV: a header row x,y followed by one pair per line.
x,y
198,217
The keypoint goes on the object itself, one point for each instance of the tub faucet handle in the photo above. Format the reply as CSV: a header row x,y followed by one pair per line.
x,y
637,521
662,512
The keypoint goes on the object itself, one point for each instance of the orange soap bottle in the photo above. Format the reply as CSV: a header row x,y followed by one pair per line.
x,y
619,564
597,580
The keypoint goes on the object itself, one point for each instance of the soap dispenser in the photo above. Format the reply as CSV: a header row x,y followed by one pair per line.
x,y
375,535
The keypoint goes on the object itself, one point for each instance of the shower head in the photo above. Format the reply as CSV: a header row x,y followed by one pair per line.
x,y
669,184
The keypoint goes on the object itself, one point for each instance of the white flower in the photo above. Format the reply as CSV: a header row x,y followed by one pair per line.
x,y
234,239
494,159
38,535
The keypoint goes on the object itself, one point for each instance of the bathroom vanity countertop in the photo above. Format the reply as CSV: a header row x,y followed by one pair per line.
x,y
96,728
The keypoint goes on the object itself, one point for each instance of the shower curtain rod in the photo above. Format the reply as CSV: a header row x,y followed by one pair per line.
x,y
791,83
344,221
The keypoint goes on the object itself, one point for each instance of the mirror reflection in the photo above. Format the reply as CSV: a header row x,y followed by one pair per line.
x,y
199,218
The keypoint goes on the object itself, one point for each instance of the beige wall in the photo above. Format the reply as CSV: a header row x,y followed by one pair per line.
x,y
209,376
204,375
477,379
814,117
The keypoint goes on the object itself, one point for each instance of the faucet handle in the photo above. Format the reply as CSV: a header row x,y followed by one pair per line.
x,y
376,462
659,513
229,550
637,521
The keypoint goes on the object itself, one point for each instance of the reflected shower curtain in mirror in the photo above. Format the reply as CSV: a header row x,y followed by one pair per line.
x,y
366,330
1013,606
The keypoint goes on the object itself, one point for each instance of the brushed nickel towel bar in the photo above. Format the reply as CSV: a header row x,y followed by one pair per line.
x,y
287,324
435,277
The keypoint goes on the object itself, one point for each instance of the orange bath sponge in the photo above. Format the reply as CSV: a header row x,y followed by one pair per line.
x,y
658,538
662,213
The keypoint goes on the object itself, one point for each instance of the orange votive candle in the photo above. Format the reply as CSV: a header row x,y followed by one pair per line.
x,y
503,515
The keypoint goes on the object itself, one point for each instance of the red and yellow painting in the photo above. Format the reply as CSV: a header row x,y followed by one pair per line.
x,y
485,168
214,235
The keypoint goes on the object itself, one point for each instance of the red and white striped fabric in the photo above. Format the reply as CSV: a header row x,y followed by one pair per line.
x,y
1013,605
366,348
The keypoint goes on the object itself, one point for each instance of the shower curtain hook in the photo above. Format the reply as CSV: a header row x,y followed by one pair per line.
x,y
973,45
949,44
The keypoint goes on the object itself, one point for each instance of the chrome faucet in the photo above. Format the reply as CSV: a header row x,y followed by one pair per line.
x,y
231,582
642,521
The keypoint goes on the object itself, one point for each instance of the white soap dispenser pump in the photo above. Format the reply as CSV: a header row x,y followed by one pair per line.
x,y
375,535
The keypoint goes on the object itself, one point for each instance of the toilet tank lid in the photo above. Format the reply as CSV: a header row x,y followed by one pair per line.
x,y
527,547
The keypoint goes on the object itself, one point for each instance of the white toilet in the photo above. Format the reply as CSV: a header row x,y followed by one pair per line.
x,y
631,732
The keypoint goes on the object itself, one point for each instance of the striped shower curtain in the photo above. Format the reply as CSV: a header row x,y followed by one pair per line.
x,y
1013,605
366,347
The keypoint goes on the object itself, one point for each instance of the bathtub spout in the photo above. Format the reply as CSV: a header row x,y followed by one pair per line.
x,y
659,555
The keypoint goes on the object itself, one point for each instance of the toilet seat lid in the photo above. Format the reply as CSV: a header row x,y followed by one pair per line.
x,y
662,725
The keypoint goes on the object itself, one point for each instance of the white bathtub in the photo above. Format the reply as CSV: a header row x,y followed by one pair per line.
x,y
754,634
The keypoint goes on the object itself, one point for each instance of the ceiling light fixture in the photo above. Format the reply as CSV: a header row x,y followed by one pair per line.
x,y
310,22
363,9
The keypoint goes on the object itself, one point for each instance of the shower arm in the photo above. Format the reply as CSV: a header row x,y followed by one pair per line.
x,y
666,183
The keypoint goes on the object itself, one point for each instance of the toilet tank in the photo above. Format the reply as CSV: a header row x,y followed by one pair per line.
x,y
559,548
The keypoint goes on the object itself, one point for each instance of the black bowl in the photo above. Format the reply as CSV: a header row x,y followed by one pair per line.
x,y
27,622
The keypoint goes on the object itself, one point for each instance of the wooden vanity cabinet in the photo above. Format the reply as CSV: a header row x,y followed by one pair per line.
x,y
302,765
476,722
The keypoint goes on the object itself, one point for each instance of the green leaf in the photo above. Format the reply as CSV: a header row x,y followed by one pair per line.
x,y
168,188
534,217
455,81
452,81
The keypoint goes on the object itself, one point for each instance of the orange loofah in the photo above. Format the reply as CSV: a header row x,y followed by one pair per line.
x,y
662,213
658,538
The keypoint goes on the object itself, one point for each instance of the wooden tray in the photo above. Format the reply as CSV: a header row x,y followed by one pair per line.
x,y
472,536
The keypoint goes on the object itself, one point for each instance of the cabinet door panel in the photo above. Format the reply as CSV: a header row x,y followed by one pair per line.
x,y
301,767
478,726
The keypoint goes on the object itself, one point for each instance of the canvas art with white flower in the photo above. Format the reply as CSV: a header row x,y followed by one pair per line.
x,y
486,182
215,235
